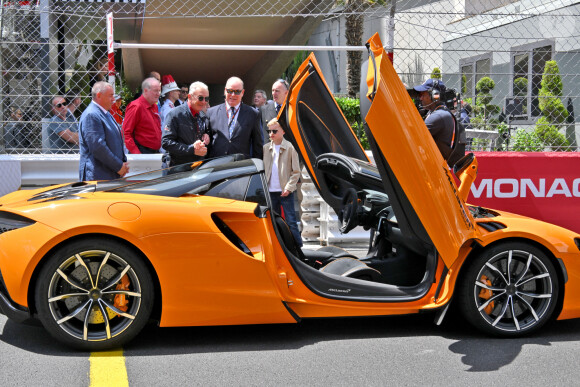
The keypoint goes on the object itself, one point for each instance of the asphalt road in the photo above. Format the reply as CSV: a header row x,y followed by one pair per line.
x,y
401,351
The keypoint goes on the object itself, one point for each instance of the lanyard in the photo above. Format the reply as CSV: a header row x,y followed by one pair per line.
x,y
233,117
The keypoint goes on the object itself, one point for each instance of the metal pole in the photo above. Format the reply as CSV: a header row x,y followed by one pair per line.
x,y
110,50
3,142
391,31
236,47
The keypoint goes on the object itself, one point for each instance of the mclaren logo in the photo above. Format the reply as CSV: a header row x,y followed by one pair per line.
x,y
345,291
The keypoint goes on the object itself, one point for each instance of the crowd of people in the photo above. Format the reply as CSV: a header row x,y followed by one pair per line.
x,y
179,122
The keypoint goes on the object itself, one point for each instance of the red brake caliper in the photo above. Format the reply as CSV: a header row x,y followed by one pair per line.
x,y
486,294
121,300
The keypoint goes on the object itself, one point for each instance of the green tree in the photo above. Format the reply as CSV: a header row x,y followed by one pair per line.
x,y
354,29
524,141
436,73
520,87
293,67
351,109
554,113
484,111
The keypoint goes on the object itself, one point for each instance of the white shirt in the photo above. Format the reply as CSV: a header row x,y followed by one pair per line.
x,y
274,178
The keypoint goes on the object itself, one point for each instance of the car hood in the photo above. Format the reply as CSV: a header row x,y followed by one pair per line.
x,y
420,186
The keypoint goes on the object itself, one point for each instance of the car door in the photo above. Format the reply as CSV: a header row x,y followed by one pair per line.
x,y
315,125
421,188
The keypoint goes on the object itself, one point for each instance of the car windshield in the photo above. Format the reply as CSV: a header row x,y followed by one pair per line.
x,y
182,179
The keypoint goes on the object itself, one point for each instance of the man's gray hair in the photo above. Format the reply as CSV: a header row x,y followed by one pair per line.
x,y
148,83
283,82
55,97
99,87
197,85
259,91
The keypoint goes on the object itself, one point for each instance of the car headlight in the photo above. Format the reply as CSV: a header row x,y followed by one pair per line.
x,y
10,221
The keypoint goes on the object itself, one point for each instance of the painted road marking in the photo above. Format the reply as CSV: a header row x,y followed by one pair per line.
x,y
108,369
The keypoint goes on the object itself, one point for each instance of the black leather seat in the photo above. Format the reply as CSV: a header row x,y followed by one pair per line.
x,y
330,259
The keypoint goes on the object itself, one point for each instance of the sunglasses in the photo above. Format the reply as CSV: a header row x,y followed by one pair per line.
x,y
273,131
59,105
201,98
183,91
232,91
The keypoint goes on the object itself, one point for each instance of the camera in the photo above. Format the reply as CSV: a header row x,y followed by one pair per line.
x,y
450,98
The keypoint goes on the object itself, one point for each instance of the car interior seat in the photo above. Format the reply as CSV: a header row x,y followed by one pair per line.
x,y
331,259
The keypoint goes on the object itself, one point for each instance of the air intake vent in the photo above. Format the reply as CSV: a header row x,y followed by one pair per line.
x,y
231,235
10,221
491,226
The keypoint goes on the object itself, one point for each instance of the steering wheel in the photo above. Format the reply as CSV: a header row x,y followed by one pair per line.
x,y
348,215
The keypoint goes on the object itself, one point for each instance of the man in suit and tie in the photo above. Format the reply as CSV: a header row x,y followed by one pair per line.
x,y
102,153
270,110
235,126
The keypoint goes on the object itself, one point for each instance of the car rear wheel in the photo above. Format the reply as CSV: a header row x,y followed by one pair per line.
x,y
94,294
509,290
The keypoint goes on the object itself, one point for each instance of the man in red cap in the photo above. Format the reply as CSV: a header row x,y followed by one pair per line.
x,y
142,125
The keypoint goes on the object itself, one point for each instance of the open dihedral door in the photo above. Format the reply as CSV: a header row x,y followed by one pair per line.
x,y
417,179
315,125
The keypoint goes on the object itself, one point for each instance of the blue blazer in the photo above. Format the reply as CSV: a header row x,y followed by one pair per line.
x,y
101,145
247,135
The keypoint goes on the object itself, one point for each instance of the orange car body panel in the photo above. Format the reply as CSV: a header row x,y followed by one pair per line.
x,y
210,278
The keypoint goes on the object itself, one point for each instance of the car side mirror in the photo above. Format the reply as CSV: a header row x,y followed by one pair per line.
x,y
261,211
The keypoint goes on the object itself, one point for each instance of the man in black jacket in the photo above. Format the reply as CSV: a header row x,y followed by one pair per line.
x,y
185,135
439,120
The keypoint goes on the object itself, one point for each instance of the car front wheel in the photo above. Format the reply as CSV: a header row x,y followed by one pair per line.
x,y
509,290
94,294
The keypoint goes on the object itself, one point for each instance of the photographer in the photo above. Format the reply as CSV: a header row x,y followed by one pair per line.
x,y
439,120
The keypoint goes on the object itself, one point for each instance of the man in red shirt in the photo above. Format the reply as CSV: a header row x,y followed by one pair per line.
x,y
142,124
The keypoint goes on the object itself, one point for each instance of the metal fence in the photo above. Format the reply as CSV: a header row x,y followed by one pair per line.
x,y
515,64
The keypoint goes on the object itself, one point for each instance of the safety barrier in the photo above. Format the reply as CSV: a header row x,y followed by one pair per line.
x,y
39,170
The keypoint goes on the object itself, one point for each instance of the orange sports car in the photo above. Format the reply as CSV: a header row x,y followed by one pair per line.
x,y
198,244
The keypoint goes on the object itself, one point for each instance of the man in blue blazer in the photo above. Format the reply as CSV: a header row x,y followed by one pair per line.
x,y
102,152
235,126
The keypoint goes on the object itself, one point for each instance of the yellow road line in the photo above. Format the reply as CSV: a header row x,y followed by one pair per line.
x,y
108,369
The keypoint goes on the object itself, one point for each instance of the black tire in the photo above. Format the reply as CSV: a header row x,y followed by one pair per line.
x,y
509,303
99,311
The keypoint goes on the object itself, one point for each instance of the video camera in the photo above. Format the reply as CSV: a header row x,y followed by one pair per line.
x,y
450,97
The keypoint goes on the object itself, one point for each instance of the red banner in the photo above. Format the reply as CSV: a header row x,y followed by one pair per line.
x,y
542,185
